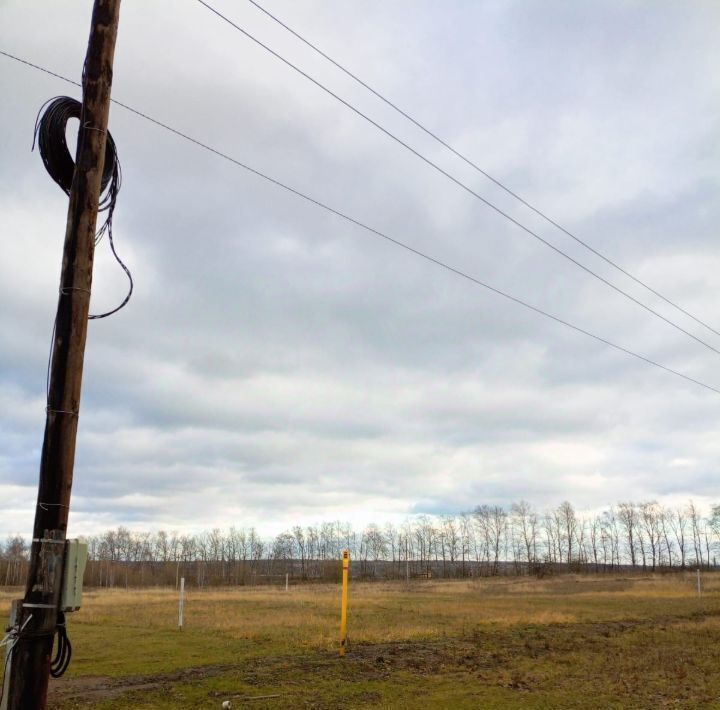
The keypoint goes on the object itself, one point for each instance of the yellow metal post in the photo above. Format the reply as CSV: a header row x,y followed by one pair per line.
x,y
343,610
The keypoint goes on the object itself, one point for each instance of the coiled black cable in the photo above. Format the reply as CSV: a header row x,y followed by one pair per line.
x,y
60,663
49,134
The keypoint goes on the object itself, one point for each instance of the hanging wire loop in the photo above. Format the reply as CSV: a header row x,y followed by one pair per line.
x,y
50,137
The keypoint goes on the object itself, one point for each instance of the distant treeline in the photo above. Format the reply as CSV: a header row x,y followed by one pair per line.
x,y
489,540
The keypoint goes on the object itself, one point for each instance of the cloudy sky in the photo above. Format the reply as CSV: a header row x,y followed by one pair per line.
x,y
279,365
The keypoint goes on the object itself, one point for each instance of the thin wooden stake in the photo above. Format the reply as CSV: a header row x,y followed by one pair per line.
x,y
343,609
181,603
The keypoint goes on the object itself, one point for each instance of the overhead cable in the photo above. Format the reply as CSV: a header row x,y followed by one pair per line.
x,y
476,167
383,235
458,182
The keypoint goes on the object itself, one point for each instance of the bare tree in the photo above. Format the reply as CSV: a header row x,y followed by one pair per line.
x,y
567,523
451,538
15,555
627,515
466,540
677,520
650,514
525,520
666,528
551,545
697,533
492,523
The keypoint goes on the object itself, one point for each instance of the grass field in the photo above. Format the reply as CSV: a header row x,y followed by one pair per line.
x,y
585,642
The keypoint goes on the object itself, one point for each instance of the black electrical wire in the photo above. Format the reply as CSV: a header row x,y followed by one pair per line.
x,y
14,634
5,670
50,137
457,181
59,664
475,166
380,234
63,654
49,134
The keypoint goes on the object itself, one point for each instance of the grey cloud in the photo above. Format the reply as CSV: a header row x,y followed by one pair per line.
x,y
275,361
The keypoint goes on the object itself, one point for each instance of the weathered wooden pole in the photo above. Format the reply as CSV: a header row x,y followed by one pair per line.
x,y
30,662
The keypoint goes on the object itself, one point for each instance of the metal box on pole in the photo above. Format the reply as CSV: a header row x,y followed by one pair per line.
x,y
76,553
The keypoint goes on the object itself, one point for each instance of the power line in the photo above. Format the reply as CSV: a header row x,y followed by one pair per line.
x,y
382,235
483,172
458,182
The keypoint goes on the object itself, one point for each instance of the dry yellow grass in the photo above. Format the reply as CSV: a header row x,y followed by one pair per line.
x,y
511,641
307,616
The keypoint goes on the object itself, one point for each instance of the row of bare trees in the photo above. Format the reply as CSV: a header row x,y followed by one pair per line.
x,y
13,561
489,540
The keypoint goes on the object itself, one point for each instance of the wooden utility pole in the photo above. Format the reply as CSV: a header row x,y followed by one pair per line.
x,y
30,662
